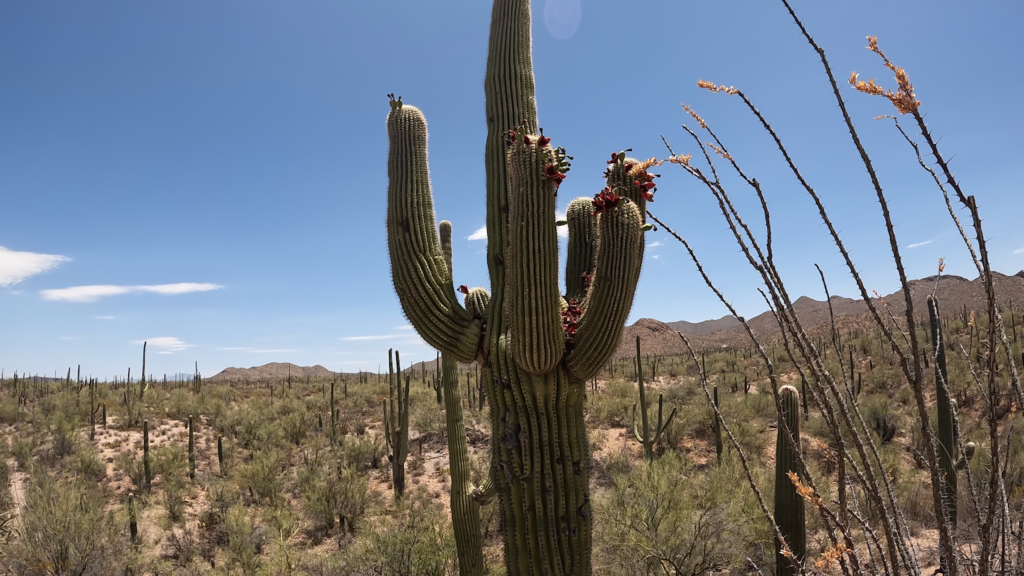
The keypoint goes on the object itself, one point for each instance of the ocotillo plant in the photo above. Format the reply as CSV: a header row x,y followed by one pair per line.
x,y
947,429
396,422
646,436
536,348
789,505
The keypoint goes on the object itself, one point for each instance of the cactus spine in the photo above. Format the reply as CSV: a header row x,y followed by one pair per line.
x,y
536,349
789,506
396,422
646,436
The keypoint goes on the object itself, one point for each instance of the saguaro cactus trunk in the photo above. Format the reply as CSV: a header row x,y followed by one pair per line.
x,y
789,505
536,347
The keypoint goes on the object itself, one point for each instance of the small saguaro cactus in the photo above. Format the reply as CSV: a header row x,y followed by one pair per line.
x,y
648,437
191,449
220,454
396,422
789,505
948,437
145,453
133,522
536,346
718,427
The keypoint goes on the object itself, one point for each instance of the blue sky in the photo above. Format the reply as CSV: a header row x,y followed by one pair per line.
x,y
214,172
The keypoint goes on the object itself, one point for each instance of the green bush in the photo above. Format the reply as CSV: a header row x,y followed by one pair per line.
x,y
666,518
64,531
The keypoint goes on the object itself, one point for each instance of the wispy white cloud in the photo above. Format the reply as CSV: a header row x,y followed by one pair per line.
x,y
920,244
17,266
656,256
67,338
166,344
655,244
358,338
104,317
480,234
563,231
95,292
252,350
1019,251
406,327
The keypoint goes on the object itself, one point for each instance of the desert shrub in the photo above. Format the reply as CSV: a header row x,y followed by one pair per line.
x,y
87,464
174,499
416,540
245,541
262,476
180,404
296,426
133,467
63,436
184,545
364,452
255,425
64,531
169,461
880,416
428,419
613,404
6,498
664,516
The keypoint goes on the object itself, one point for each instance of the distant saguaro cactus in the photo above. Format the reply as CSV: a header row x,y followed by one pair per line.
x,y
947,433
396,422
646,436
536,347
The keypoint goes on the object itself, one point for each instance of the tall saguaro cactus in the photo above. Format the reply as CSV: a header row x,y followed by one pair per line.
x,y
789,505
536,348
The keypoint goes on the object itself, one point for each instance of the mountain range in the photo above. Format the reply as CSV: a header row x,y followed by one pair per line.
x,y
954,293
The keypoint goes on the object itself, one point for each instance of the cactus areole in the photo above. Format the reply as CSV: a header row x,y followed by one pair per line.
x,y
535,350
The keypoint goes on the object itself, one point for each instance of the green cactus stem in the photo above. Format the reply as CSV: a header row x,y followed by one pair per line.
x,y
948,437
396,422
789,505
133,522
718,427
646,436
220,454
145,453
191,450
536,348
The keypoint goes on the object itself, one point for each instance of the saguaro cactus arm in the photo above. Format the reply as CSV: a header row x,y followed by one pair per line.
x,y
579,264
418,270
620,247
532,298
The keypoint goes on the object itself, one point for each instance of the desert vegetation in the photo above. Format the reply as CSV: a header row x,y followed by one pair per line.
x,y
546,438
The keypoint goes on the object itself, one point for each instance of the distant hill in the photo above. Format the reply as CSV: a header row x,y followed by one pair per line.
x,y
273,371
